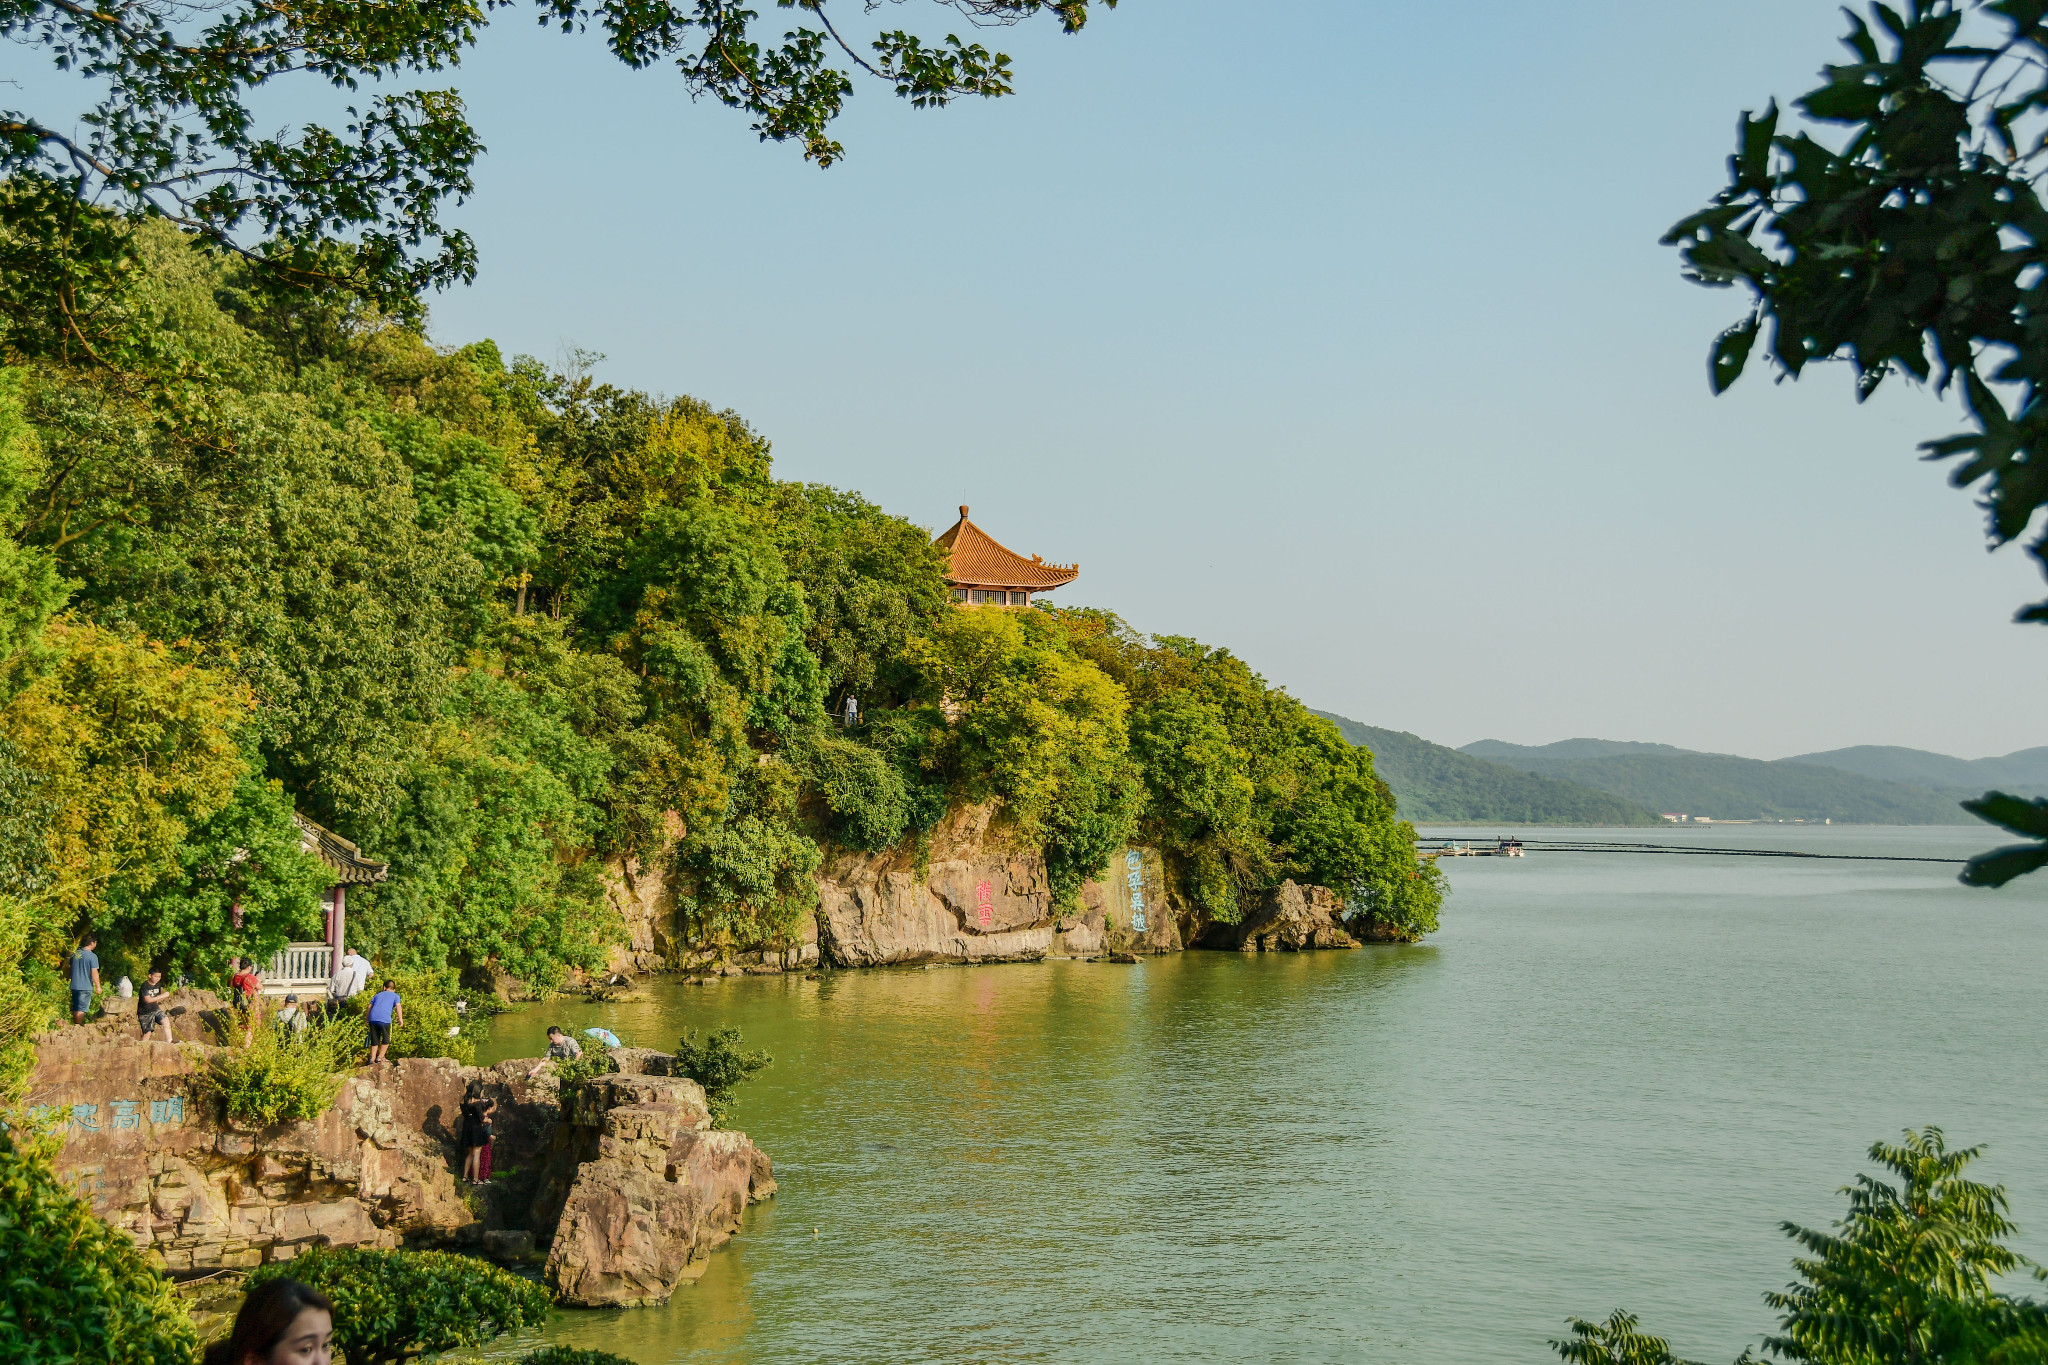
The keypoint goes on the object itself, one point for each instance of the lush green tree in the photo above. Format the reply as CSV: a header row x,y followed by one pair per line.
x,y
1032,724
485,845
1910,1276
390,1306
247,856
173,132
720,1065
78,1291
1908,237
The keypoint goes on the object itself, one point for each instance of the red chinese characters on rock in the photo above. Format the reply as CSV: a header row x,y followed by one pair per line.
x,y
984,903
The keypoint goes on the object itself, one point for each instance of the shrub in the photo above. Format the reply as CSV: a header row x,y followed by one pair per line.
x,y
570,1076
391,1305
571,1355
718,1064
282,1076
78,1291
429,1000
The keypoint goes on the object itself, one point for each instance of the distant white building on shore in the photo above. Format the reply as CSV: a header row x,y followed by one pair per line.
x,y
1676,819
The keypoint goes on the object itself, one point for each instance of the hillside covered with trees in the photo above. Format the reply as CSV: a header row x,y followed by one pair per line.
x,y
1725,787
271,550
1435,784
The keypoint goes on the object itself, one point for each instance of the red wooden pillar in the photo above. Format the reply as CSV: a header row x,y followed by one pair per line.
x,y
337,915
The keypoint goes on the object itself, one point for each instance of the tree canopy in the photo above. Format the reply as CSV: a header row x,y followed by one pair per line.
x,y
169,128
1902,232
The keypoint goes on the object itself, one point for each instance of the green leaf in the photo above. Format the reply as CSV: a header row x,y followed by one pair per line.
x,y
1731,353
2001,865
2015,813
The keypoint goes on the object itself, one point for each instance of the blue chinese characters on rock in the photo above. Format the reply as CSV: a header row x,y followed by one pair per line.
x,y
1134,881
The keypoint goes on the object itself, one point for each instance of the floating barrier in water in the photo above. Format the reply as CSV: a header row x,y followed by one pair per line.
x,y
1433,848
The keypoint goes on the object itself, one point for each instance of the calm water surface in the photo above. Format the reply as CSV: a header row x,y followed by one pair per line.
x,y
1602,1084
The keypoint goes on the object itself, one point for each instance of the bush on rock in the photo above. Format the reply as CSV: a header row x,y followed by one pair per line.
x,y
392,1305
718,1064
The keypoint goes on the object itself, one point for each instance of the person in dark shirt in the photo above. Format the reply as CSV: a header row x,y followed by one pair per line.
x,y
85,978
149,1008
477,1133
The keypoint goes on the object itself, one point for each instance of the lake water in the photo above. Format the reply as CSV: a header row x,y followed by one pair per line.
x,y
1602,1085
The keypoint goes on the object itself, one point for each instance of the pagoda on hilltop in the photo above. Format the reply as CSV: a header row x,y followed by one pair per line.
x,y
981,572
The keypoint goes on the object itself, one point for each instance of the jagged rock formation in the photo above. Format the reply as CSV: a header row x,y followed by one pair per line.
x,y
642,1190
379,1167
1289,918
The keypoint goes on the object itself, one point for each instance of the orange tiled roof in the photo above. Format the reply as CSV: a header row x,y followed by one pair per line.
x,y
977,560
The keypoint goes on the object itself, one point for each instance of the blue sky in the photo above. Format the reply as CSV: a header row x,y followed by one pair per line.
x,y
1333,332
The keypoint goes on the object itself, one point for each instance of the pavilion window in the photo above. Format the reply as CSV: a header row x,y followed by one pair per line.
x,y
1020,599
959,594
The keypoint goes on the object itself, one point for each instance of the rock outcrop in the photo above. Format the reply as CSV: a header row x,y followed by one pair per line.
x,y
978,900
648,1191
1289,918
378,1168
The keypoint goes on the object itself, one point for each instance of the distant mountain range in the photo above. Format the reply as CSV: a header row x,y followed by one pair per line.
x,y
1437,785
1621,782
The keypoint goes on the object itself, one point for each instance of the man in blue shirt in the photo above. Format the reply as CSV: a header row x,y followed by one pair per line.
x,y
385,1012
85,978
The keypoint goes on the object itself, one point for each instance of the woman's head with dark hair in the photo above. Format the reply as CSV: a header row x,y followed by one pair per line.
x,y
285,1322
476,1088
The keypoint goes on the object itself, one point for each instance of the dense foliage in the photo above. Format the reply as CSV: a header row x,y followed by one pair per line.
x,y
164,123
282,1076
77,1292
499,625
719,1064
390,1306
1910,1276
1904,232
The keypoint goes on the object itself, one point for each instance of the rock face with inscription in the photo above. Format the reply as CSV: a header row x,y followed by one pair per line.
x,y
379,1167
977,900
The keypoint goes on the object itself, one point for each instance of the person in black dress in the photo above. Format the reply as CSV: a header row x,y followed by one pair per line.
x,y
477,1114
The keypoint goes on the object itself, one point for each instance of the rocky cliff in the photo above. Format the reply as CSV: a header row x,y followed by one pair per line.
x,y
980,899
378,1168
974,895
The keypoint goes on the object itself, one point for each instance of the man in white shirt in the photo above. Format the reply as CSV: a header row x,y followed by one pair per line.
x,y
351,975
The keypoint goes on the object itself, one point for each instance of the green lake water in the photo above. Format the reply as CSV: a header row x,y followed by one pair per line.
x,y
1603,1084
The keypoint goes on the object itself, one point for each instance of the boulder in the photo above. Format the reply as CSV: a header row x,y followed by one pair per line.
x,y
649,1190
1289,918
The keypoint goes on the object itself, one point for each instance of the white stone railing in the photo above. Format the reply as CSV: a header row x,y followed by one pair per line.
x,y
300,969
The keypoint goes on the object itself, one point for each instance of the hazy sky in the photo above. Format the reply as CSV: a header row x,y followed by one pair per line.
x,y
1331,331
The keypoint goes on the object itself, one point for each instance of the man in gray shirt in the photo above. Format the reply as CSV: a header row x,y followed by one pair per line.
x,y
85,978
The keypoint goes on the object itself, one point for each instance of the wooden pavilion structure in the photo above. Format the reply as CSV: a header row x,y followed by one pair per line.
x,y
982,572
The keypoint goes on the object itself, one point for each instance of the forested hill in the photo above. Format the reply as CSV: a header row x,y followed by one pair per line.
x,y
1438,785
266,550
2023,772
1725,787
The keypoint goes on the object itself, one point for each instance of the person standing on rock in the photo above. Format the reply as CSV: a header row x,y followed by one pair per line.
x,y
351,975
477,1127
149,1009
385,1013
248,987
85,978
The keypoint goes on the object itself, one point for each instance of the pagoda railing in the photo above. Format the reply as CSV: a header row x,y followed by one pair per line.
x,y
299,969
